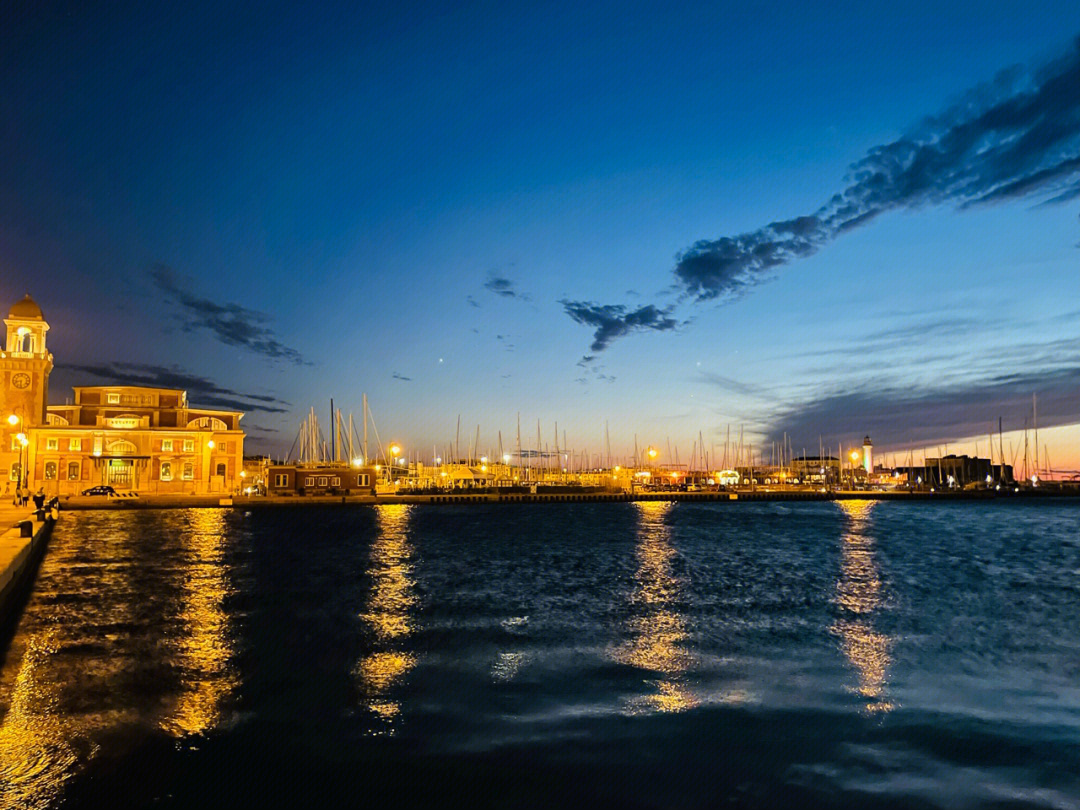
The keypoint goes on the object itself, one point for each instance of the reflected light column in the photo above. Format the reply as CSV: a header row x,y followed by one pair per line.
x,y
388,611
858,596
658,630
205,649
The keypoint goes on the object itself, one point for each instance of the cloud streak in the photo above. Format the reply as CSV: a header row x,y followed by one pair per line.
x,y
927,417
503,287
231,324
612,321
202,391
1016,137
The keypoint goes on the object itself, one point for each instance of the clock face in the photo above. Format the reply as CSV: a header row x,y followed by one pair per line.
x,y
20,380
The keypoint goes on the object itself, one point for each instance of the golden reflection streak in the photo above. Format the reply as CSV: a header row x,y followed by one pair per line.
x,y
389,609
205,650
658,633
43,741
48,733
859,594
36,755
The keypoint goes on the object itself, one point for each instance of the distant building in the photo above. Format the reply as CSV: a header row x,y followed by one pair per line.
x,y
143,440
957,472
823,470
320,479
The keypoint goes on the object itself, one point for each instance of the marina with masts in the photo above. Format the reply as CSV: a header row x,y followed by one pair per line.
x,y
351,461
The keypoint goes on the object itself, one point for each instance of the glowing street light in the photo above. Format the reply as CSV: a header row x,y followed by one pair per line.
x,y
13,420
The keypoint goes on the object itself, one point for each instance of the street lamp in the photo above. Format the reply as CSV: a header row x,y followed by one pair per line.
x,y
17,420
395,451
854,461
23,442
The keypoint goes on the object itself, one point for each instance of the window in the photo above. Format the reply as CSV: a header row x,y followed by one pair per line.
x,y
281,479
50,470
15,472
335,481
189,471
73,471
221,470
74,444
309,481
362,480
189,445
15,443
323,480
166,471
112,399
166,445
52,444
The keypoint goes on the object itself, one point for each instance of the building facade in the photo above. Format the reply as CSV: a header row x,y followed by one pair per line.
x,y
135,439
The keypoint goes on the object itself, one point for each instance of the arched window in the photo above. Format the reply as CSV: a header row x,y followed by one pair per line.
x,y
122,448
53,419
207,423
50,470
73,471
166,471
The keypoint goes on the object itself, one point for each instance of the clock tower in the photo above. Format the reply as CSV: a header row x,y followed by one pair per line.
x,y
25,365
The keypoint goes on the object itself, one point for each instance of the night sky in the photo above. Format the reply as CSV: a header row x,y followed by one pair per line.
x,y
856,220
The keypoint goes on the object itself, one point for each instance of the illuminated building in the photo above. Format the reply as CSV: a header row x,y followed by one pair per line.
x,y
137,439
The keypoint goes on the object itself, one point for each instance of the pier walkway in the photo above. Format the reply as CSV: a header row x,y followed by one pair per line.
x,y
22,542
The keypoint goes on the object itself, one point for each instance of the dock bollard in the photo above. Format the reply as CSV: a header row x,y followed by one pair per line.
x,y
26,529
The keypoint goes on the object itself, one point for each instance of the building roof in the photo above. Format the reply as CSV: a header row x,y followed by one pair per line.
x,y
26,309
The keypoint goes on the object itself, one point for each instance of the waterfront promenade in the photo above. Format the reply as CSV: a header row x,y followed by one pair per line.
x,y
22,541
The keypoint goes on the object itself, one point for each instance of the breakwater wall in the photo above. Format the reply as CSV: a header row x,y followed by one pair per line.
x,y
732,497
21,549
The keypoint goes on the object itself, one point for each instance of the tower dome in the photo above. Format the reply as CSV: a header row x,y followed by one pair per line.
x,y
26,309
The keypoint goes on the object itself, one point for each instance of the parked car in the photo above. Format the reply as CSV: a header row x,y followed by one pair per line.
x,y
100,489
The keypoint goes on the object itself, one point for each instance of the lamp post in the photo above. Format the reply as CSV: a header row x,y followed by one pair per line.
x,y
17,420
854,461
395,451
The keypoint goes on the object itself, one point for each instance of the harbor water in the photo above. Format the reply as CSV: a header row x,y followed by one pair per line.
x,y
637,655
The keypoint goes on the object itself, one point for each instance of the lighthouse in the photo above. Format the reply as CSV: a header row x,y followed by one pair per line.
x,y
868,455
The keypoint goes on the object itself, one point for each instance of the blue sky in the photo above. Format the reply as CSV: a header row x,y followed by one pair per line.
x,y
272,206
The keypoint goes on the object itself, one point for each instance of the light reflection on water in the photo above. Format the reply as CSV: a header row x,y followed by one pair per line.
x,y
204,650
388,612
36,754
859,595
657,630
86,664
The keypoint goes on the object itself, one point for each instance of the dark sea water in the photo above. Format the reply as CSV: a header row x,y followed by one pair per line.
x,y
685,655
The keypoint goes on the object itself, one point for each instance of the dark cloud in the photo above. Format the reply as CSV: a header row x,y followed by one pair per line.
x,y
1017,137
926,417
612,321
734,386
397,376
500,285
249,429
201,391
231,324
